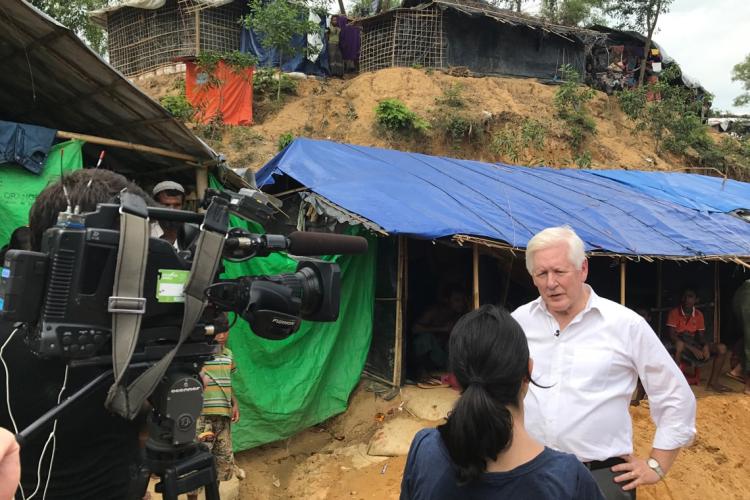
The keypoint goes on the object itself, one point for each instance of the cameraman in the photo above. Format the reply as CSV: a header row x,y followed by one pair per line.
x,y
95,452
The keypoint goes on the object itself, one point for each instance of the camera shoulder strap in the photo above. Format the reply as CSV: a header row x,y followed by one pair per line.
x,y
127,303
128,401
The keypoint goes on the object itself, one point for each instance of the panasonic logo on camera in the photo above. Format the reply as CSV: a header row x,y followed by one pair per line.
x,y
283,322
187,389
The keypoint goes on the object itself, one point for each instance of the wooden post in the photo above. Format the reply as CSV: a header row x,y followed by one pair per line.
x,y
393,41
717,308
103,141
623,264
509,273
475,267
659,292
201,182
197,32
399,340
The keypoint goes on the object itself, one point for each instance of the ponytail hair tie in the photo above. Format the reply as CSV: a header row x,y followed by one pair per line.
x,y
476,381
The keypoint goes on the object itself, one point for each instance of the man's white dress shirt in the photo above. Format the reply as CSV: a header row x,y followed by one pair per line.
x,y
592,367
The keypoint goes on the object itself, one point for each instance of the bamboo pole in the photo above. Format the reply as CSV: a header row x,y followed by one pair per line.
x,y
717,309
197,32
103,141
659,292
475,266
201,182
623,264
399,340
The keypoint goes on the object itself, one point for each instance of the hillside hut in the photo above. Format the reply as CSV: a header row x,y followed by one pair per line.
x,y
471,34
146,35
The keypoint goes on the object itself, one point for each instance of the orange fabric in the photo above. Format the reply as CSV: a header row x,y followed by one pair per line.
x,y
229,96
692,323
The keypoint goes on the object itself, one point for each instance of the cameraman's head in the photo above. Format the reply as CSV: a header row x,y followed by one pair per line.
x,y
105,185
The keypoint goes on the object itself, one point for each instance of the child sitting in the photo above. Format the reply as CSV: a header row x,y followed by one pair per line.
x,y
219,410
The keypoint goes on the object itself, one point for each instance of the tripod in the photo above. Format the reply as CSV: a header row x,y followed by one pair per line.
x,y
172,452
181,468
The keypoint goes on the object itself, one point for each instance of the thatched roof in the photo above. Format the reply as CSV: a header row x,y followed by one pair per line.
x,y
505,16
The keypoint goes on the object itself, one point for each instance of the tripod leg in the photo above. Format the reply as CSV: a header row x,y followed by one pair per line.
x,y
139,484
212,490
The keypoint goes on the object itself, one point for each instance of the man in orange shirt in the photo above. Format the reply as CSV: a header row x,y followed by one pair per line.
x,y
687,328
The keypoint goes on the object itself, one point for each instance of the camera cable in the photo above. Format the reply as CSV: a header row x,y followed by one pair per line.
x,y
51,438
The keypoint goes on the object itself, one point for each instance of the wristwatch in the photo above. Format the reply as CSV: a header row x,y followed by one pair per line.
x,y
654,465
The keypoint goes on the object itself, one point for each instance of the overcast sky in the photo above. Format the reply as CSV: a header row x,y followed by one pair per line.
x,y
707,38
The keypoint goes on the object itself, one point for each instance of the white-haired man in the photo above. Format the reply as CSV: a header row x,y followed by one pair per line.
x,y
589,352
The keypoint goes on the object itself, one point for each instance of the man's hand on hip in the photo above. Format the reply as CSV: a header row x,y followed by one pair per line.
x,y
635,472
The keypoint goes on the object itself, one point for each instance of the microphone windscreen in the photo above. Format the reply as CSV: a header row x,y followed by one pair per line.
x,y
309,243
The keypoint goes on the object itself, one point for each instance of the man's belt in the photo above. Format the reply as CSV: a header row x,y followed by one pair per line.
x,y
603,464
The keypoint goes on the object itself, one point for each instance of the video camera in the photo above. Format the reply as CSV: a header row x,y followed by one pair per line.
x,y
102,292
63,292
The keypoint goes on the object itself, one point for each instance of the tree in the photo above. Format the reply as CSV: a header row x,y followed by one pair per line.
x,y
570,12
639,15
73,15
509,4
277,21
741,73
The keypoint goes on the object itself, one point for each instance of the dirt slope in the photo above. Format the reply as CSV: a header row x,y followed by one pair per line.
x,y
344,110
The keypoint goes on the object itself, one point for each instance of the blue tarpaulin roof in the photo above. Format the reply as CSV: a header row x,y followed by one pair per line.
x,y
700,192
433,197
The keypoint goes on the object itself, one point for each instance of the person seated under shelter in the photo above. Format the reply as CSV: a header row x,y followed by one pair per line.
x,y
432,330
687,331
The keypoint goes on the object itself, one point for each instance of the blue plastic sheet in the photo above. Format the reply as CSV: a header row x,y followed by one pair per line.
x,y
433,197
701,192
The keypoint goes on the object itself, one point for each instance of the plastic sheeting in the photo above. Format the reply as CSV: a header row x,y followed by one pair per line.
x,y
285,386
100,15
433,197
251,43
230,99
699,192
19,187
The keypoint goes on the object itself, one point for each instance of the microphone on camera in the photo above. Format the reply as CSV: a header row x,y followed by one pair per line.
x,y
308,243
240,243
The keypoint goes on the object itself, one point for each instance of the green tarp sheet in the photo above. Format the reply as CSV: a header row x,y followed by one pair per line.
x,y
285,386
19,187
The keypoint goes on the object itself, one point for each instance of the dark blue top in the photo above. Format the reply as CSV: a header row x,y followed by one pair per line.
x,y
553,475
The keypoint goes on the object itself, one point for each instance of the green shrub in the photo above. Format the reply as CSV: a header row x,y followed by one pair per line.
x,y
265,82
392,115
452,96
178,106
285,139
570,102
506,144
533,134
583,160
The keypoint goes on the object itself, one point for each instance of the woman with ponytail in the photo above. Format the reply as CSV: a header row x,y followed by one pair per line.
x,y
483,450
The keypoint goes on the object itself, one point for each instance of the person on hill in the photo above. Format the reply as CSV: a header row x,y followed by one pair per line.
x,y
591,351
686,328
483,450
335,59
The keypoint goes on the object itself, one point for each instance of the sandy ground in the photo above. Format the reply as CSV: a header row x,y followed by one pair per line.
x,y
331,461
344,110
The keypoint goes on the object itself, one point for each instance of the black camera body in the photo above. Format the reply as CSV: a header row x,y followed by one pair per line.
x,y
62,294
64,290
